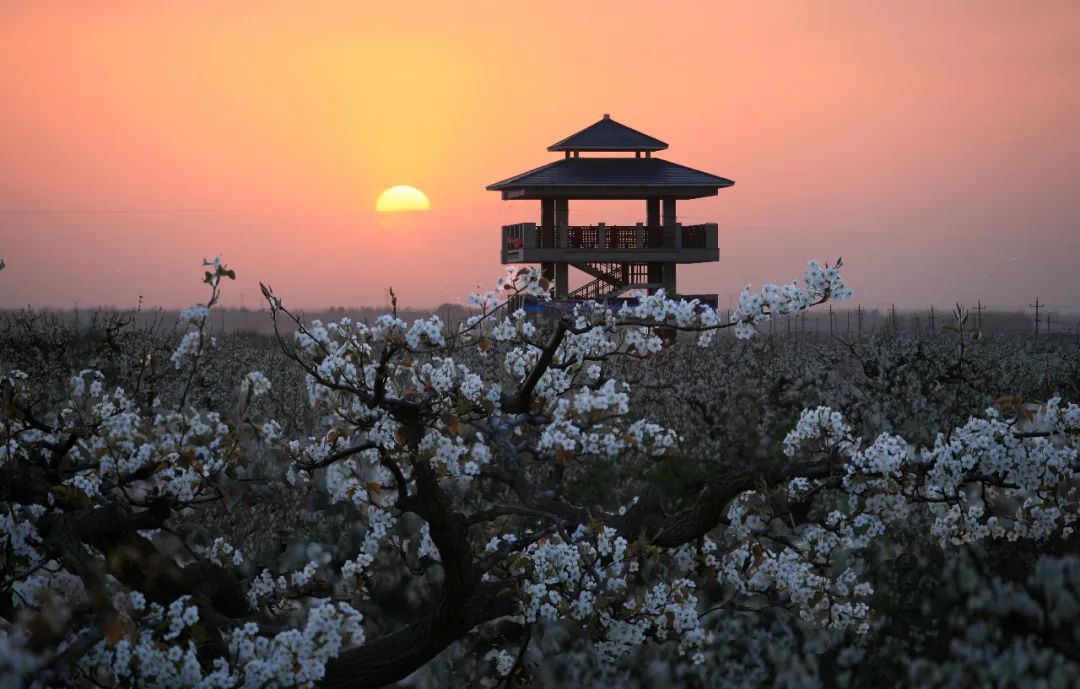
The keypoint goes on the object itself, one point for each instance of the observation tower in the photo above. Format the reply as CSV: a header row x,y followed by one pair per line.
x,y
597,165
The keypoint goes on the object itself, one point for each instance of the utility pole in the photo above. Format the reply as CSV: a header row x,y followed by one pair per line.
x,y
1038,307
978,315
847,331
932,319
892,316
860,319
832,322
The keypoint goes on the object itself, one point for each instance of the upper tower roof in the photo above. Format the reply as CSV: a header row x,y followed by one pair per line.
x,y
610,177
608,135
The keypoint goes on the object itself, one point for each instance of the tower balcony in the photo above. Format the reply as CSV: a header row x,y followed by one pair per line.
x,y
640,243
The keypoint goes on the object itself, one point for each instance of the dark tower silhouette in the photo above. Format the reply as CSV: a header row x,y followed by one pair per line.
x,y
618,257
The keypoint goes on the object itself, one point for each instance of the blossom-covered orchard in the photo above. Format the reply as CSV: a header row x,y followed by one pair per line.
x,y
562,502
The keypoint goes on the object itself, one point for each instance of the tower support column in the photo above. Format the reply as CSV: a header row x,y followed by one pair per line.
x,y
671,230
652,212
562,212
547,222
562,280
655,275
562,268
669,213
670,286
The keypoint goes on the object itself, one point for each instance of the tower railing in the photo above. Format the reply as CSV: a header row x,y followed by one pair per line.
x,y
603,236
695,236
583,236
622,236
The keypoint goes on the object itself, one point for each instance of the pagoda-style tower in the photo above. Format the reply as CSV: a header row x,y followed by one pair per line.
x,y
618,257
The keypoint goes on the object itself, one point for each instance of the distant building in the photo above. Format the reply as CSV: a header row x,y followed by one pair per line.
x,y
619,258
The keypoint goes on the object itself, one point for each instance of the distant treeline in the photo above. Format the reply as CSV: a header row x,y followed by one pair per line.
x,y
853,321
848,321
227,320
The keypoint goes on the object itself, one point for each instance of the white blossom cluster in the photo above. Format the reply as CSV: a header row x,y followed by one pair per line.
x,y
455,456
819,284
592,579
291,658
525,280
174,453
504,662
985,480
296,657
1026,478
190,346
514,327
224,554
821,425
1000,628
451,382
194,318
255,384
667,610
356,480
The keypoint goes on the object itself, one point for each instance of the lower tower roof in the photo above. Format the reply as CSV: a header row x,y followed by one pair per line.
x,y
611,178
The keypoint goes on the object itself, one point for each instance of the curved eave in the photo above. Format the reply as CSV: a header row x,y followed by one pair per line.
x,y
611,178
598,193
499,186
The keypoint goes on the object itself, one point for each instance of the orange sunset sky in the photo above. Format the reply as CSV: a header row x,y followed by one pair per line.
x,y
935,145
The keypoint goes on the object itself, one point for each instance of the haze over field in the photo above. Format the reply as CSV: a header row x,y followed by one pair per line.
x,y
935,146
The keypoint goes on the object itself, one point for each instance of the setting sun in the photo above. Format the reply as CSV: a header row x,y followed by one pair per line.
x,y
402,198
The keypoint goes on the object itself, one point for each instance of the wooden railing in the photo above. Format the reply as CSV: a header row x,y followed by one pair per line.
x,y
582,236
602,236
694,236
622,237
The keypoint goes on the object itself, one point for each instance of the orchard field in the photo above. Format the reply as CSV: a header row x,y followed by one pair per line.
x,y
558,503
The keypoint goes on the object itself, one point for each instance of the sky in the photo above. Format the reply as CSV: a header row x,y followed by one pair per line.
x,y
934,146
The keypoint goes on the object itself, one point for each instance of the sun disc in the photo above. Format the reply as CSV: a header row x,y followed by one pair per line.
x,y
402,197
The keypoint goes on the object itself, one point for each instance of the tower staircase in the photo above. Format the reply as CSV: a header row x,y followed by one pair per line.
x,y
612,279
